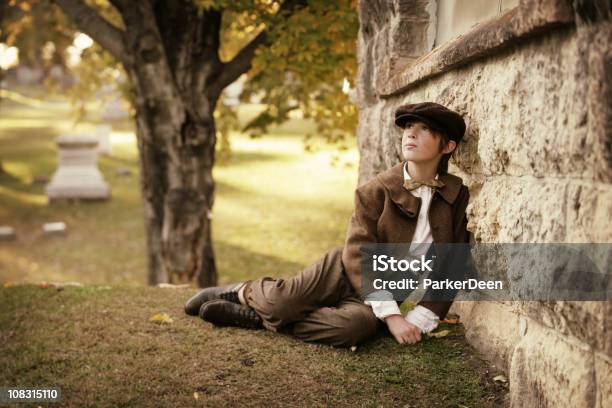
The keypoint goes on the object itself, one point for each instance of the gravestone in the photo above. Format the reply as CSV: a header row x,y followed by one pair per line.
x,y
103,132
7,233
54,228
77,176
114,111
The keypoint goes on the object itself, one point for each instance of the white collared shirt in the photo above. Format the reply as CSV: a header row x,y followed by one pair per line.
x,y
420,316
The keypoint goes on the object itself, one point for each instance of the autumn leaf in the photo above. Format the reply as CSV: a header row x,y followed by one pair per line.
x,y
451,320
500,378
161,318
441,333
406,306
172,286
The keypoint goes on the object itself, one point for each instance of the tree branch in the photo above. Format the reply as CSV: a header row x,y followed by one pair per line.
x,y
241,63
99,29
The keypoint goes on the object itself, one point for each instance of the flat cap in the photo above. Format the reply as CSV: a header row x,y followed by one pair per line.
x,y
436,116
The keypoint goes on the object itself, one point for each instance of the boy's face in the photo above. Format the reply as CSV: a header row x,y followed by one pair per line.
x,y
421,144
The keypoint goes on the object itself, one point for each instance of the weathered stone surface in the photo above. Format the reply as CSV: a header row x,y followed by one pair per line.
x,y
548,370
492,328
537,157
589,212
488,37
539,90
411,38
518,209
587,322
603,381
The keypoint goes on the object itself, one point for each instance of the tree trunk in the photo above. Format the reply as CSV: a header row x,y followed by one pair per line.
x,y
170,51
176,143
177,191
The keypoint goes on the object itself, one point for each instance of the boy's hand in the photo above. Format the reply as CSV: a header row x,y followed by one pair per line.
x,y
403,331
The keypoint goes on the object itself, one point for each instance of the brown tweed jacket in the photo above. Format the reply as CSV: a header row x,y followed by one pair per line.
x,y
385,212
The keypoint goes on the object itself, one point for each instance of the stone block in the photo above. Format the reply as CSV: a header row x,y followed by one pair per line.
x,y
603,381
77,176
588,322
54,228
103,134
7,233
518,209
491,327
548,369
589,212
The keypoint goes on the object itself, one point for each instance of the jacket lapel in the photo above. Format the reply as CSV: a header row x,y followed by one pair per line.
x,y
393,180
451,189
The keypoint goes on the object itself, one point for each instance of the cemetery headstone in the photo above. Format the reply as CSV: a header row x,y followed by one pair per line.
x,y
103,133
77,176
7,233
54,228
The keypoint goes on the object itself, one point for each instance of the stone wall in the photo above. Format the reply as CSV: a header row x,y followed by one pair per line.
x,y
534,87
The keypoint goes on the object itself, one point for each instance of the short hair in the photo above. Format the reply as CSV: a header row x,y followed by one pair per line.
x,y
443,165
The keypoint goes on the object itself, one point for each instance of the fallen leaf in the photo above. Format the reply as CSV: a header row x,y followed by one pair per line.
x,y
43,285
406,306
172,286
196,396
441,333
161,318
452,320
393,378
500,378
62,285
354,349
9,284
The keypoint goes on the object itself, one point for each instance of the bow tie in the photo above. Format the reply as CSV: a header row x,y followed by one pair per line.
x,y
412,184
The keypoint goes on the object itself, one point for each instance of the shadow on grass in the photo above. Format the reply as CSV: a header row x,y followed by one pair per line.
x,y
242,158
242,261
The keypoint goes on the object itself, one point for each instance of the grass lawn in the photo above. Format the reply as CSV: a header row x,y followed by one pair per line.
x,y
277,209
98,345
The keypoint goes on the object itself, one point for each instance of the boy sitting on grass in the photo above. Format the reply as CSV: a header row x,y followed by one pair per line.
x,y
416,201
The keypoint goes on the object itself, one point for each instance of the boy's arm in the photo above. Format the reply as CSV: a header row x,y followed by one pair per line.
x,y
460,235
362,229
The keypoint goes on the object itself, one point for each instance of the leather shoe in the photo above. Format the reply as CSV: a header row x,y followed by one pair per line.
x,y
229,292
221,312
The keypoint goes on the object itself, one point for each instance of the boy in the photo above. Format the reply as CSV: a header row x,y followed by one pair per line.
x,y
416,202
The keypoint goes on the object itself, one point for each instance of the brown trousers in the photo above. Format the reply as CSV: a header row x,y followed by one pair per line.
x,y
318,305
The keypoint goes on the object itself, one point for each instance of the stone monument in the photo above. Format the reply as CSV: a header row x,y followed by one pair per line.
x,y
114,111
103,132
77,176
